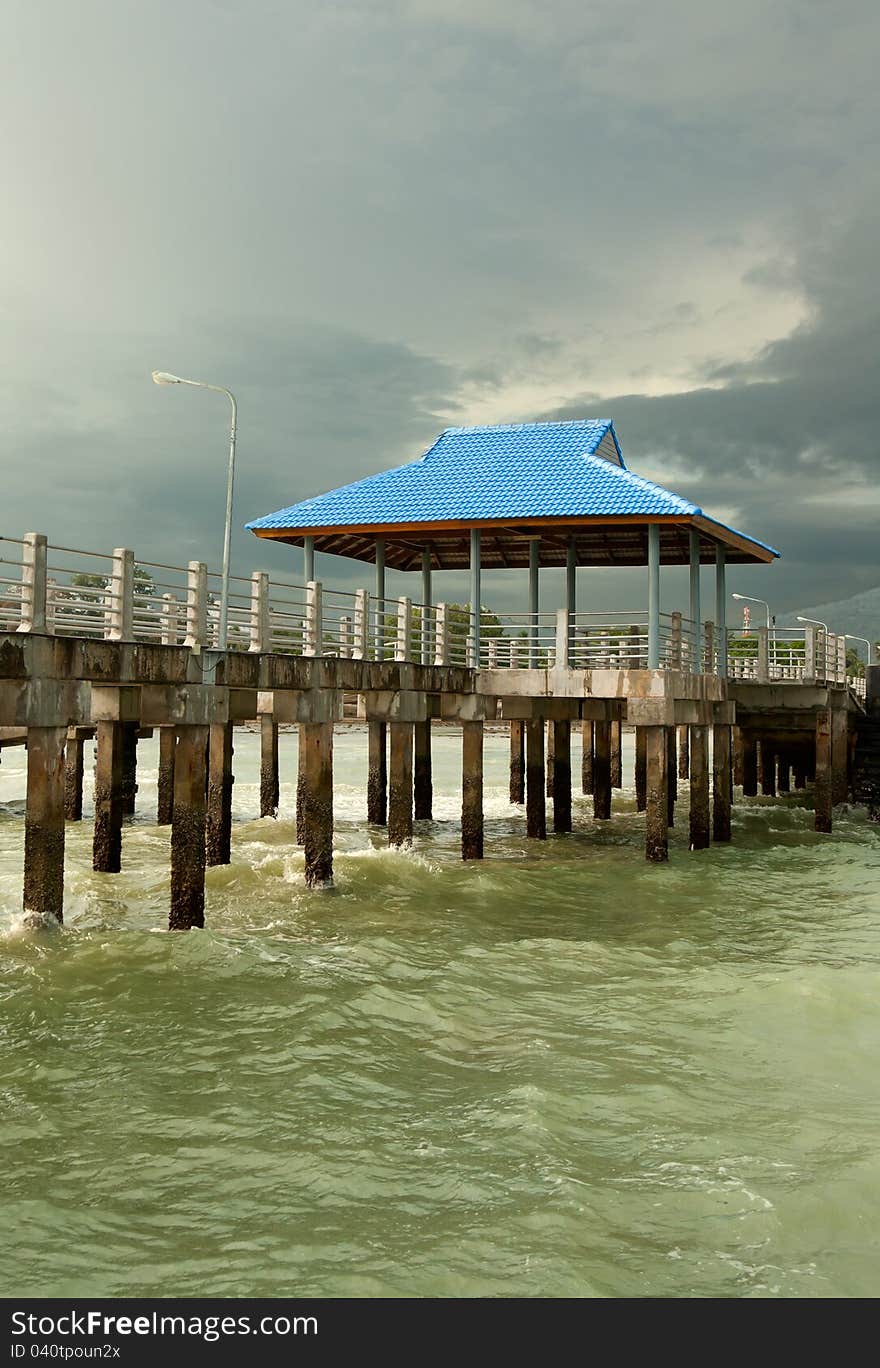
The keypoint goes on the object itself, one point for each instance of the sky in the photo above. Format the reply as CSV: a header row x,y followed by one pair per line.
x,y
374,220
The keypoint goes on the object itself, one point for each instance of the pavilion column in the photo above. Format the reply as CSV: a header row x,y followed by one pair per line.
x,y
721,786
695,606
721,610
602,771
561,732
400,795
474,653
423,788
653,596
426,632
536,812
517,762
586,757
472,790
308,559
571,588
377,774
641,776
534,562
699,772
379,651
657,802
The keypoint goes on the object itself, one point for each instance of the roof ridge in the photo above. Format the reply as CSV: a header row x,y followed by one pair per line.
x,y
534,423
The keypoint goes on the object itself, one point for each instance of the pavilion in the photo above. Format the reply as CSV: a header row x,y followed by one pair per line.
x,y
519,495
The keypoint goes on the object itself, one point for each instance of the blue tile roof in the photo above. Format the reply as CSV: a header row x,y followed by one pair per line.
x,y
511,471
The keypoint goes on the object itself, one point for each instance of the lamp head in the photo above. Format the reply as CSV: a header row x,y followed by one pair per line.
x,y
163,378
736,596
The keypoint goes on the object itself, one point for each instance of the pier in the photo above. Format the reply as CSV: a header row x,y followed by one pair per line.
x,y
111,647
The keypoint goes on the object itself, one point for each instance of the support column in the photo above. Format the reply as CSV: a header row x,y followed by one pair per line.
x,y
671,776
269,785
721,611
536,811
695,606
750,765
129,767
549,765
472,790
602,771
167,742
721,805
476,595
517,762
641,775
427,635
377,775
656,837
683,753
653,596
220,780
768,769
823,800
839,755
316,741
107,839
379,646
783,780
43,898
738,757
300,784
534,562
587,757
571,587
617,754
423,784
73,777
699,771
400,788
188,830
561,776
308,559
800,771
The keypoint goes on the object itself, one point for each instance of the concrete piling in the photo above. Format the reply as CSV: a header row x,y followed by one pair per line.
x,y
671,775
561,776
167,743
316,741
188,830
377,775
738,757
517,762
423,788
107,837
823,800
616,759
536,809
587,757
472,791
768,769
721,783
269,783
220,780
699,781
73,776
400,787
129,767
783,777
749,765
683,752
839,754
641,769
602,771
300,785
657,801
549,753
43,896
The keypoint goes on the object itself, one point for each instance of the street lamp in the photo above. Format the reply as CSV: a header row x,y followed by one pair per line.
x,y
847,636
814,622
747,598
163,378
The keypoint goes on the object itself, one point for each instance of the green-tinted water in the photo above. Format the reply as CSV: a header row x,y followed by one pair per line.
x,y
561,1072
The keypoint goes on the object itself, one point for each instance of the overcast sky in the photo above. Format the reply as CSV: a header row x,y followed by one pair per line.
x,y
375,219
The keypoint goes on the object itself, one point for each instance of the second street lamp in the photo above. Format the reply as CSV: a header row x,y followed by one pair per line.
x,y
164,378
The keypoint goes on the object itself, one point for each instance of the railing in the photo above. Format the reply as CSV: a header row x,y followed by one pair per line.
x,y
64,591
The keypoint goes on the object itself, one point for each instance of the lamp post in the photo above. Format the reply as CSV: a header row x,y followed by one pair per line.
x,y
848,636
747,598
814,622
163,378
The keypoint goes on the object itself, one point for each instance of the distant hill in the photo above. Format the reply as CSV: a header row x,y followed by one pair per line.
x,y
859,615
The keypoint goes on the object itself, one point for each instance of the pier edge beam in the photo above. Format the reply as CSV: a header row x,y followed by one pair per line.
x,y
472,790
602,771
73,777
823,800
561,776
657,800
218,829
43,889
699,781
536,809
721,772
165,796
107,835
316,740
517,763
400,785
270,792
587,757
377,774
641,769
423,788
188,830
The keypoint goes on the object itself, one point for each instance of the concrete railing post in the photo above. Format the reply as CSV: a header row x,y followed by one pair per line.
x,y
314,641
261,629
196,604
821,655
168,620
33,583
809,655
562,621
841,659
120,607
402,646
345,637
441,635
763,656
361,624
493,653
